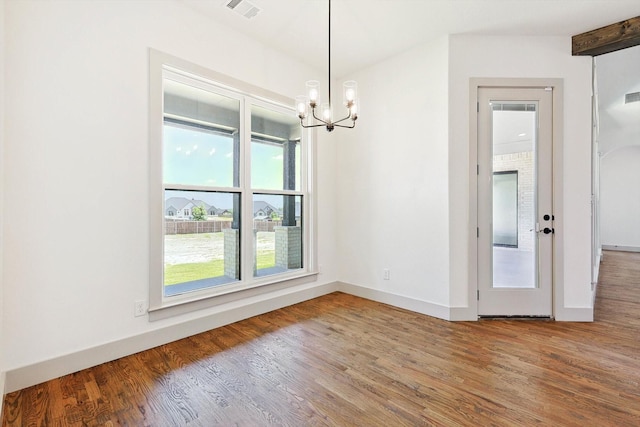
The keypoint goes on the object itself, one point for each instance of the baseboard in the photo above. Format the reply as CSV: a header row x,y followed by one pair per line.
x,y
463,314
37,373
574,314
595,278
408,303
620,248
3,380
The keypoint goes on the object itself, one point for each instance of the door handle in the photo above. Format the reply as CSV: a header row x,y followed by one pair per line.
x,y
548,230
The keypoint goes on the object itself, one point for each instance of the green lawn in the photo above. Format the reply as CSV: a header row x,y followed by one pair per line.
x,y
189,271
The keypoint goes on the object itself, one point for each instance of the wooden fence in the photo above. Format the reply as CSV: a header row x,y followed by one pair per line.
x,y
197,227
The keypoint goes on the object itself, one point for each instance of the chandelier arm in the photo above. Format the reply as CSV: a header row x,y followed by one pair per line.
x,y
311,126
342,120
353,124
313,114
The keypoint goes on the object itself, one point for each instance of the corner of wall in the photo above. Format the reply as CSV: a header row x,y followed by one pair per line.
x,y
400,301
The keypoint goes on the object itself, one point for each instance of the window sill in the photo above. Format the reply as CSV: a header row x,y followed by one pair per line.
x,y
198,301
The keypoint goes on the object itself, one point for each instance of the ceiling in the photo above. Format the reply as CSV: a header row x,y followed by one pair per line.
x,y
365,32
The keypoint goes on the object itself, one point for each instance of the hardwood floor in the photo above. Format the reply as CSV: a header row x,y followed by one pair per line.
x,y
340,361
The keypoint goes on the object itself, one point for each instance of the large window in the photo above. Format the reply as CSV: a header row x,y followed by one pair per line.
x,y
230,168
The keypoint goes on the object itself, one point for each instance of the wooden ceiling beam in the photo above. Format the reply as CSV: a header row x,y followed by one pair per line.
x,y
607,39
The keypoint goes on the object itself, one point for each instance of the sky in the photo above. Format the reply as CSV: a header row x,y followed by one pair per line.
x,y
193,157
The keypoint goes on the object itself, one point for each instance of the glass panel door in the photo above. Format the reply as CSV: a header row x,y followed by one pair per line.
x,y
515,195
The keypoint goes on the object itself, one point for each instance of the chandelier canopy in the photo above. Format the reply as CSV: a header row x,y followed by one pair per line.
x,y
306,104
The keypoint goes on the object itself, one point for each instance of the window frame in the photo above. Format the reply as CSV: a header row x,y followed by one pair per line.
x,y
161,306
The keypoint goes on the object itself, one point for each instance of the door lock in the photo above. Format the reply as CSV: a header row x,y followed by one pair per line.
x,y
548,230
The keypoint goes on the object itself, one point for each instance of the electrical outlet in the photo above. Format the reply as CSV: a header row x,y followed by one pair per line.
x,y
386,274
139,308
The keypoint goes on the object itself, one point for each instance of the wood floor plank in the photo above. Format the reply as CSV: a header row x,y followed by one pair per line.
x,y
340,360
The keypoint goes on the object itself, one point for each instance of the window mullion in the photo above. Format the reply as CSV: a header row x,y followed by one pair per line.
x,y
247,247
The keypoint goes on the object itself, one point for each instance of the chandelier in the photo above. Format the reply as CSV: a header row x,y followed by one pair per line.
x,y
311,101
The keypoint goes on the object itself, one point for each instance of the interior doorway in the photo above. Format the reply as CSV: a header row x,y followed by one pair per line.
x,y
616,189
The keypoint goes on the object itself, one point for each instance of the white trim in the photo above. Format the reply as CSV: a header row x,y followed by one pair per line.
x,y
620,248
46,370
595,278
463,314
205,299
3,383
560,312
401,301
247,95
574,314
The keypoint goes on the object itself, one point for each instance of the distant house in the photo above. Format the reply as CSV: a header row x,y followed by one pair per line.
x,y
181,207
264,209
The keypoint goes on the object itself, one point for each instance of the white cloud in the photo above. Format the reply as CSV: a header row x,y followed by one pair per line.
x,y
278,157
229,155
212,152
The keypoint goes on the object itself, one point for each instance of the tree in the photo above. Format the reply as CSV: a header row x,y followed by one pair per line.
x,y
199,213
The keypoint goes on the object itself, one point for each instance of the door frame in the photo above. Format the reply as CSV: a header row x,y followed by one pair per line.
x,y
556,84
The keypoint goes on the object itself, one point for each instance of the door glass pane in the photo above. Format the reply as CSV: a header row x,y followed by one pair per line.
x,y
514,194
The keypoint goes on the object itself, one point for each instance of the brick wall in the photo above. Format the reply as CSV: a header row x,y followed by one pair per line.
x,y
288,247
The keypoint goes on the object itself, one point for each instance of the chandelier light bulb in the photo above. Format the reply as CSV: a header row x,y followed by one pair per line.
x,y
353,110
350,91
312,90
326,112
301,106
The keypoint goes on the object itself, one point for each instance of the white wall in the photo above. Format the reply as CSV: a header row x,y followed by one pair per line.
x,y
620,198
542,57
76,134
392,177
2,343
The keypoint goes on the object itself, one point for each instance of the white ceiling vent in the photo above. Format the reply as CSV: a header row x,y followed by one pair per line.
x,y
632,97
242,7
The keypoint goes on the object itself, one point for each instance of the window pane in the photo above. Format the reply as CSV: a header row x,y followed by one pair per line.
x,y
275,152
200,137
514,195
277,229
201,240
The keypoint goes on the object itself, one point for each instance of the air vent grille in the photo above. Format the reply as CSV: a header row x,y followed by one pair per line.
x,y
243,7
632,97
